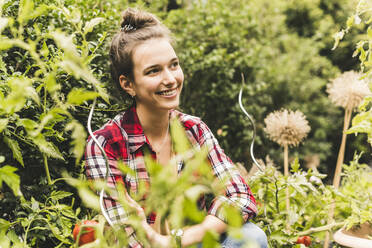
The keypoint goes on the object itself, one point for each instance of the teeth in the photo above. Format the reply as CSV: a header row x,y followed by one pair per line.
x,y
167,93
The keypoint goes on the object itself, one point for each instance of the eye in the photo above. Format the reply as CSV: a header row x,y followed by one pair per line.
x,y
175,64
152,71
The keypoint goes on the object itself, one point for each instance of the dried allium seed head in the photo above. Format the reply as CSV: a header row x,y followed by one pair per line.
x,y
348,90
287,127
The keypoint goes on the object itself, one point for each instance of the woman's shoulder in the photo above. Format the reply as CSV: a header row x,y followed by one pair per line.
x,y
111,128
188,121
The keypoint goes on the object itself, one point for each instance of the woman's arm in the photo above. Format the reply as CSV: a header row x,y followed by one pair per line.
x,y
237,192
195,234
192,235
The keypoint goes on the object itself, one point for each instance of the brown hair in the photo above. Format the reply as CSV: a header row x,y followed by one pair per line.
x,y
137,26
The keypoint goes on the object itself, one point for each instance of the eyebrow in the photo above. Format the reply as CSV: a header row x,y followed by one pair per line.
x,y
156,65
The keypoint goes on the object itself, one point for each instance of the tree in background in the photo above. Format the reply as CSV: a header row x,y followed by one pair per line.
x,y
284,50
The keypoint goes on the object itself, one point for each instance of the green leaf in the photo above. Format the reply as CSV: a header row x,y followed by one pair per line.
x,y
350,21
15,239
28,124
66,43
75,16
369,20
92,23
25,8
4,225
46,147
68,212
233,215
2,66
8,176
13,145
78,139
191,211
369,33
365,102
35,205
77,69
78,96
21,89
181,142
58,195
47,120
295,166
51,84
3,124
89,198
40,10
338,36
210,240
4,241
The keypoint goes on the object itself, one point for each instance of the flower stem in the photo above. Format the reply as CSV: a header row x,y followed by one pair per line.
x,y
337,176
341,153
286,174
276,196
47,169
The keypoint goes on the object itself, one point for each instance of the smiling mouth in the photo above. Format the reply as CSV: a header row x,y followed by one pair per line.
x,y
167,92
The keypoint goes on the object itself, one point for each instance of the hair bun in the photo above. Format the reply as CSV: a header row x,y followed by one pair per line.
x,y
134,19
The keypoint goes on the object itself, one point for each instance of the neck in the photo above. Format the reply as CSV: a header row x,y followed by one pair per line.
x,y
154,123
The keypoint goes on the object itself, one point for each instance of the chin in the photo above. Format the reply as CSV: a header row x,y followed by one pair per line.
x,y
172,105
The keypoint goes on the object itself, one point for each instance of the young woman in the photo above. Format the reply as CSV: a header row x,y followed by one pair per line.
x,y
146,69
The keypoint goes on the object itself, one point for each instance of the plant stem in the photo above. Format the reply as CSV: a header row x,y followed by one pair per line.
x,y
320,228
286,174
21,138
276,196
47,169
341,153
337,175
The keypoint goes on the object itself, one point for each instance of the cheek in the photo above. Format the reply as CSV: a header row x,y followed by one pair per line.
x,y
180,75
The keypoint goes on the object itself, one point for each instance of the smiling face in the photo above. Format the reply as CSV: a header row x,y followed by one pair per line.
x,y
158,77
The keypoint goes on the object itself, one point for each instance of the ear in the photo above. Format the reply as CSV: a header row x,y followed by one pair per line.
x,y
127,85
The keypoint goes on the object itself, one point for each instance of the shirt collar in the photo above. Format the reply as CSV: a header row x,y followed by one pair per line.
x,y
134,130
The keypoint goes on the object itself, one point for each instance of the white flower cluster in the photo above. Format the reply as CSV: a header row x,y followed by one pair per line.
x,y
287,127
348,90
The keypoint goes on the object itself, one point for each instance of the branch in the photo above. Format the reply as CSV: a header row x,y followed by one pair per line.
x,y
321,228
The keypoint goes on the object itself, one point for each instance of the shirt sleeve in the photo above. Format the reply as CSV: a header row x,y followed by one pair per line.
x,y
95,169
237,192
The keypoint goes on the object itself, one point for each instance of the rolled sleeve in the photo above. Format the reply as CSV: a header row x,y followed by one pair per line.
x,y
237,192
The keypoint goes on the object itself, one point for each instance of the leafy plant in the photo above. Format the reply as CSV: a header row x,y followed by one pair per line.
x,y
310,200
361,123
40,221
36,111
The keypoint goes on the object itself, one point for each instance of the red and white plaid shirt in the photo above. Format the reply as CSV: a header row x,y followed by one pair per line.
x,y
123,139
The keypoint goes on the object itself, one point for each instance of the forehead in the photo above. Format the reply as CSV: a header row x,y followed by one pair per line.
x,y
153,52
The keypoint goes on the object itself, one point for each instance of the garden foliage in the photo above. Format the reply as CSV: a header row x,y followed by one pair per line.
x,y
309,202
362,123
54,61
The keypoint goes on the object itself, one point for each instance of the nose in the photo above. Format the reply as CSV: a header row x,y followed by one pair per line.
x,y
169,78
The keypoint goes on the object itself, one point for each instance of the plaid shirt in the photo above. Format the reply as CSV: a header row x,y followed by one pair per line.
x,y
123,139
